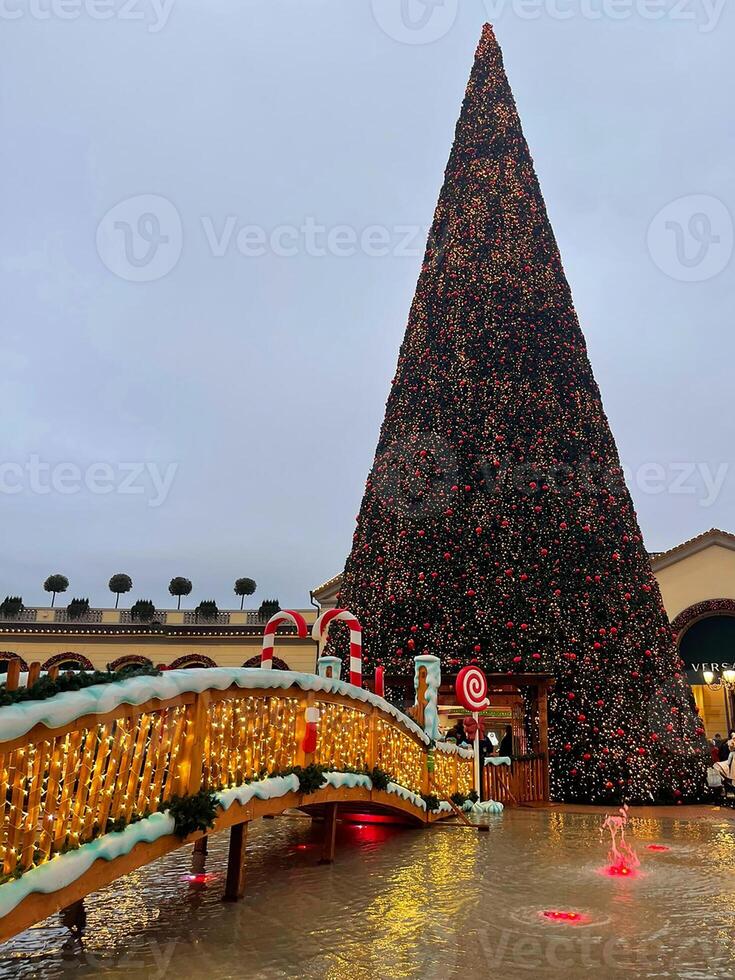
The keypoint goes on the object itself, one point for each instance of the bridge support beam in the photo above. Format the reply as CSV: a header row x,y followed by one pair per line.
x,y
330,833
74,917
235,883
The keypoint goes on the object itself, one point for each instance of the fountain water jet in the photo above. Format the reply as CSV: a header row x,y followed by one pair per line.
x,y
622,859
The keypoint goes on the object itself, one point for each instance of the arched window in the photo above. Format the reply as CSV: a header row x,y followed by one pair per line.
x,y
68,661
278,664
132,660
192,660
5,658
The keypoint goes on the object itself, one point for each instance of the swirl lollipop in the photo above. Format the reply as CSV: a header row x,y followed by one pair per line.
x,y
471,688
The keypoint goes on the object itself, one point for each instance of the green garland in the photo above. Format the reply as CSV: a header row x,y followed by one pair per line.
x,y
192,813
46,687
198,811
432,802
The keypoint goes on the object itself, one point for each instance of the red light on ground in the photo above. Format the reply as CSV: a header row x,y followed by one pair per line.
x,y
568,917
658,848
620,871
200,879
303,847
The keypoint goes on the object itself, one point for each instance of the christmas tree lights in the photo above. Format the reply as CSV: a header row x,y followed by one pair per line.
x,y
496,526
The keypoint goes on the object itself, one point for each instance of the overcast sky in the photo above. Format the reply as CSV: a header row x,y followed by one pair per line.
x,y
198,331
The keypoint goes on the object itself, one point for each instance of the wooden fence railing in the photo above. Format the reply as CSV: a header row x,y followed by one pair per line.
x,y
62,787
524,781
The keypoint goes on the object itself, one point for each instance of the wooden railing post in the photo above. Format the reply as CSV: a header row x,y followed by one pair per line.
x,y
12,678
192,757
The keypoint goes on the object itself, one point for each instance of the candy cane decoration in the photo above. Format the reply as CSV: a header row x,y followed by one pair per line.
x,y
321,628
380,682
269,633
310,735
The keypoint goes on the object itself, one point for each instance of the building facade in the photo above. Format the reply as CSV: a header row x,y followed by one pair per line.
x,y
697,581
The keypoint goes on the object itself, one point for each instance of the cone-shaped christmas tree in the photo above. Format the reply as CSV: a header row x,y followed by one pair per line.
x,y
496,526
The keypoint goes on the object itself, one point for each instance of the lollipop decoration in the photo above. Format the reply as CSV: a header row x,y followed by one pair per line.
x,y
471,688
269,633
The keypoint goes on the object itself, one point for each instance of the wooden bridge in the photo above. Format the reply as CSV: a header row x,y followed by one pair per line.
x,y
87,776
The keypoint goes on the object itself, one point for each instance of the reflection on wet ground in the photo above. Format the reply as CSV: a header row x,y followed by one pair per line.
x,y
522,900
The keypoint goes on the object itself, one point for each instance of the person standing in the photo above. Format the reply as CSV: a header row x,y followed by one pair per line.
x,y
506,744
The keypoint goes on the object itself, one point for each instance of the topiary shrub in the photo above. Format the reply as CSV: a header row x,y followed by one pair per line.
x,y
11,607
207,610
77,608
268,608
142,611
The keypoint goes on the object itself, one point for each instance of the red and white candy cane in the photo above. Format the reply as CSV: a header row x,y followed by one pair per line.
x,y
269,633
321,627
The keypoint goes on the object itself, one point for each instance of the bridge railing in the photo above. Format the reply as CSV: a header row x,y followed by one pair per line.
x,y
62,785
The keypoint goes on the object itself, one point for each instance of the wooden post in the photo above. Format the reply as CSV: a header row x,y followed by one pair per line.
x,y
330,834
34,672
74,917
191,762
235,883
199,856
12,678
543,735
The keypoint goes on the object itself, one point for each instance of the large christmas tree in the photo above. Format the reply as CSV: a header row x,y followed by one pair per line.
x,y
496,526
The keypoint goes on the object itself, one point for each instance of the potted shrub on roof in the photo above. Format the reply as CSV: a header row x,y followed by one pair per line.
x,y
142,611
268,608
11,607
77,608
207,611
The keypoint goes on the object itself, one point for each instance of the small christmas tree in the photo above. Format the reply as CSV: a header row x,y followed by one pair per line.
x,y
496,525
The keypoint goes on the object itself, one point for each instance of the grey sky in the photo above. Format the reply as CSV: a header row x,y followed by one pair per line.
x,y
262,378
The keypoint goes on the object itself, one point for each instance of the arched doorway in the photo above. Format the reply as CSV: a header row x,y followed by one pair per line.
x,y
191,660
706,641
68,661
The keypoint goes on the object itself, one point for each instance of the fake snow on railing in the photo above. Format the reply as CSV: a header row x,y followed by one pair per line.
x,y
321,628
269,633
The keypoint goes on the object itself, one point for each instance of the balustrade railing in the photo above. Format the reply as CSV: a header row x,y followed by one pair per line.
x,y
63,786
